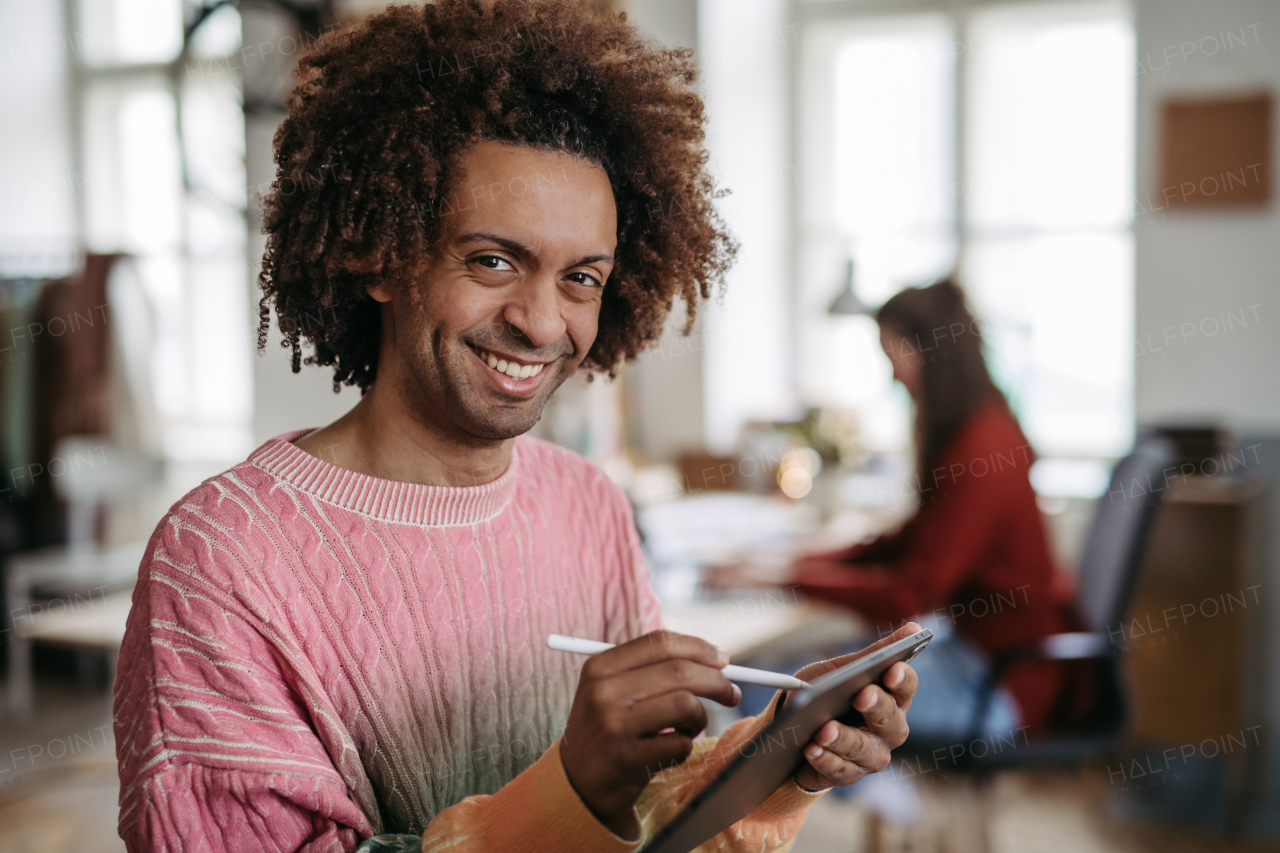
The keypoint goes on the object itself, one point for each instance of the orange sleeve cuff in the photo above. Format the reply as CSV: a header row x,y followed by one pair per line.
x,y
786,802
540,811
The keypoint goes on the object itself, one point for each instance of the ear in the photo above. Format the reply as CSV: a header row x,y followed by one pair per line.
x,y
381,292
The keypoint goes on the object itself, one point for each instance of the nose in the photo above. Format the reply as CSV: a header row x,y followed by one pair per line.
x,y
534,311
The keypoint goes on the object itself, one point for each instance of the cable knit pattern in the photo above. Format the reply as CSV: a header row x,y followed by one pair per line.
x,y
316,656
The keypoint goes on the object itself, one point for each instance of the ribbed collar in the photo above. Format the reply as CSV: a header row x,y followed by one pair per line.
x,y
385,500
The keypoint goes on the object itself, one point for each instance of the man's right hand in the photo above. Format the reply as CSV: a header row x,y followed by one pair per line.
x,y
636,712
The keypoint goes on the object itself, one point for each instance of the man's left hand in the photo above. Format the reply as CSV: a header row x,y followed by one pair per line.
x,y
840,755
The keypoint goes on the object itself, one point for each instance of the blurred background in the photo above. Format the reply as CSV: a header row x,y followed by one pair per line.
x,y
1100,173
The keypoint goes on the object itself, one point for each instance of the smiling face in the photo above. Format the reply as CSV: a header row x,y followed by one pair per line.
x,y
508,306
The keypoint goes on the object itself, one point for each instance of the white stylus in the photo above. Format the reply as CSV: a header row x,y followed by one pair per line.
x,y
745,674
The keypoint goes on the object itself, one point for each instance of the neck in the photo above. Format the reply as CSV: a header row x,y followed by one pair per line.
x,y
382,437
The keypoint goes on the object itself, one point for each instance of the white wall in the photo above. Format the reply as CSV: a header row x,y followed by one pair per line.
x,y
37,179
743,50
282,400
665,386
696,391
1196,266
670,22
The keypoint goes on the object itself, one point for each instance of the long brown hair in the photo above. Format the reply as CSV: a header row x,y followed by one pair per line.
x,y
936,322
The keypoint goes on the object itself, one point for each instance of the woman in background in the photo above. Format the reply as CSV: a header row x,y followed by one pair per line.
x,y
975,555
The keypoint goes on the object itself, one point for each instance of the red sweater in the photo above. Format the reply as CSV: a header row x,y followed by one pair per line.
x,y
976,552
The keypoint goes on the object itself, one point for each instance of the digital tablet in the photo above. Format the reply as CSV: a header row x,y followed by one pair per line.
x,y
777,752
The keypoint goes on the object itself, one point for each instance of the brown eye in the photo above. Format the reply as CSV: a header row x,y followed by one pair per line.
x,y
584,278
493,262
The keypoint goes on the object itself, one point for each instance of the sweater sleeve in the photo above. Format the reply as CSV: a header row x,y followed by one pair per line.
x,y
879,549
540,811
948,541
214,750
885,547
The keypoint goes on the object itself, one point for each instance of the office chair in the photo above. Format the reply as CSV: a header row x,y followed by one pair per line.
x,y
1108,573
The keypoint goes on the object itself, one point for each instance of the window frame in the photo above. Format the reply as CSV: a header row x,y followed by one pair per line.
x,y
828,15
189,432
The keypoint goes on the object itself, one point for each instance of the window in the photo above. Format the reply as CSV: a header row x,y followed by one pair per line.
x,y
163,155
997,140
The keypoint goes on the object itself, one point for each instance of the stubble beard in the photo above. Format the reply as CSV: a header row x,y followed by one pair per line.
x,y
444,396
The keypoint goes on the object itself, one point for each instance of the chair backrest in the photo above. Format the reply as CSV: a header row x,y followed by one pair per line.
x,y
1117,539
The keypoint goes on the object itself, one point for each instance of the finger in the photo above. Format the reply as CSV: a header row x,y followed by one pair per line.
x,y
881,715
680,710
831,768
902,680
652,648
814,670
851,744
811,780
825,769
636,685
847,743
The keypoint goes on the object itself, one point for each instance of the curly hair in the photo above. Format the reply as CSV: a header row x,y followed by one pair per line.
x,y
381,114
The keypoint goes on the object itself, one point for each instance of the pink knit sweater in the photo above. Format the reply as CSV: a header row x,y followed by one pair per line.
x,y
316,656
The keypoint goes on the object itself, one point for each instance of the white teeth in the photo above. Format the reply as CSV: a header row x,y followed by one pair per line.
x,y
512,368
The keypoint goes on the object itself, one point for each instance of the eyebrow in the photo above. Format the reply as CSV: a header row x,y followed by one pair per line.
x,y
517,248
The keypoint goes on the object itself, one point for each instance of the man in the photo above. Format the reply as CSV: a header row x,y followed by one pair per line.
x,y
341,641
